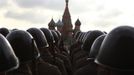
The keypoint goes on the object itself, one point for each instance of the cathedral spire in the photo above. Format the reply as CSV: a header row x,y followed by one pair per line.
x,y
77,23
66,19
77,26
67,3
51,24
66,31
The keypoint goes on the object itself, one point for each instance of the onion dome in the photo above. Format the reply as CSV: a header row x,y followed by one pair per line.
x,y
51,23
59,23
78,23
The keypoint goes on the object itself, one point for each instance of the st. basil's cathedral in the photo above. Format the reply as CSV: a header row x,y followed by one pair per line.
x,y
65,26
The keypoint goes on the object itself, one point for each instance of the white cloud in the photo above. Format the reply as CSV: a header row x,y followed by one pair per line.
x,y
27,16
50,4
3,3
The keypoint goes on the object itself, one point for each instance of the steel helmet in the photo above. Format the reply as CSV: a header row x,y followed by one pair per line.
x,y
96,46
23,45
8,59
90,39
4,31
48,34
117,49
39,37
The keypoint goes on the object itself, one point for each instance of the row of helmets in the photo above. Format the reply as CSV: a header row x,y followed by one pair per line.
x,y
19,46
113,50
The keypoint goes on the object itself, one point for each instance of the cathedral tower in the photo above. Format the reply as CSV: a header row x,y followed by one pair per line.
x,y
67,23
67,30
59,25
51,24
77,26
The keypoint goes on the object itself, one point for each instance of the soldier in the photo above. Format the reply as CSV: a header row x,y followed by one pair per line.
x,y
76,47
56,39
95,48
65,59
4,31
55,35
116,55
25,49
56,60
86,46
88,67
8,59
40,67
58,33
90,39
75,35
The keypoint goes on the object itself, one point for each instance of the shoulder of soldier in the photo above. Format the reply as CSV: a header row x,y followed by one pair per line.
x,y
44,67
87,70
57,59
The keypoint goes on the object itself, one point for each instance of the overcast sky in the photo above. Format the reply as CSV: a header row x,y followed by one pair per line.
x,y
93,14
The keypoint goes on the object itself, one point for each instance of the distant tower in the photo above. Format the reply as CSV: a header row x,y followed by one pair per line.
x,y
51,24
67,23
67,30
77,26
59,25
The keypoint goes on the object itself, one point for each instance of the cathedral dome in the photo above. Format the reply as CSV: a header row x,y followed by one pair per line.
x,y
59,23
51,23
78,23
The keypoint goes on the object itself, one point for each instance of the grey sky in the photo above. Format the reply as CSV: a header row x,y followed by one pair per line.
x,y
27,16
49,4
3,3
94,14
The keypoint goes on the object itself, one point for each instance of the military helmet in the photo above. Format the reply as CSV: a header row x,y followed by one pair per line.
x,y
4,31
76,34
48,34
96,46
82,36
39,37
8,60
117,49
85,36
56,38
90,39
58,33
79,36
23,45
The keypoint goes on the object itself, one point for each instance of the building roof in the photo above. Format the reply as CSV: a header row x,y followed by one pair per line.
x,y
51,23
59,23
66,16
78,23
